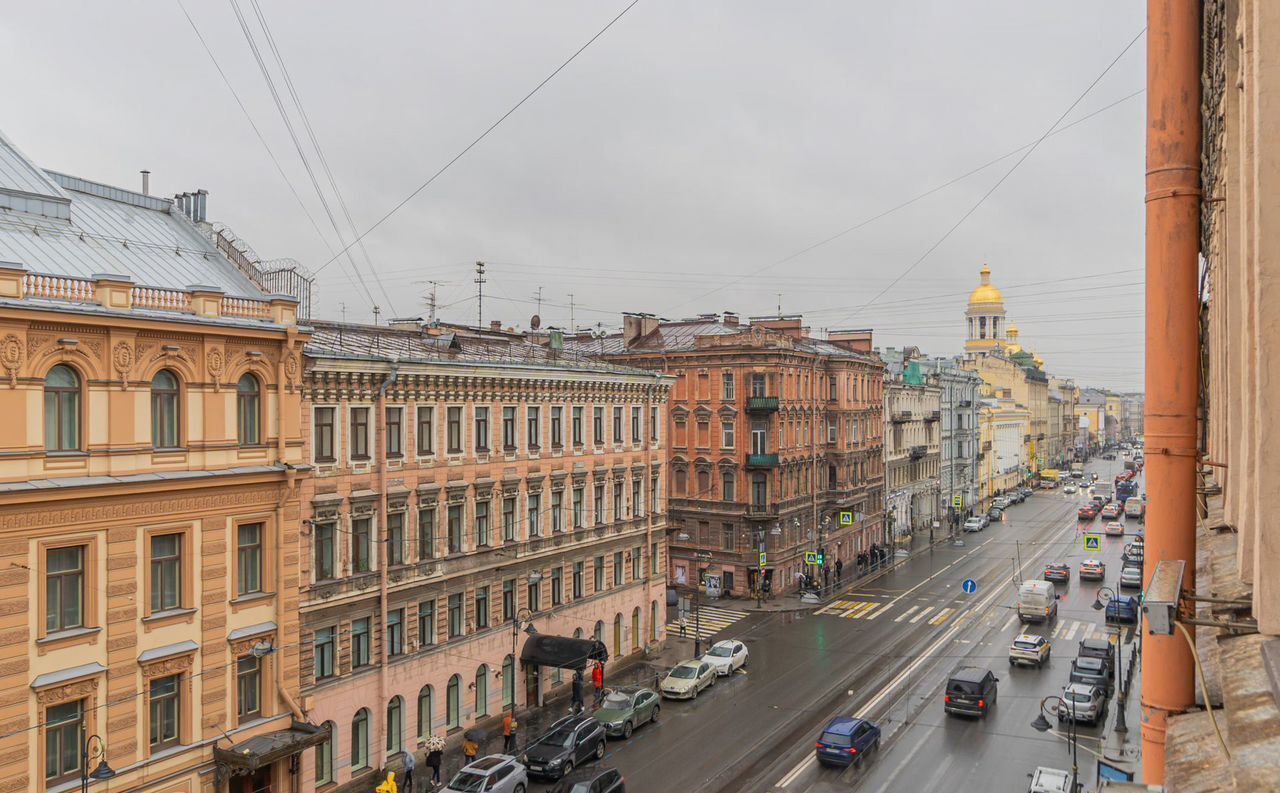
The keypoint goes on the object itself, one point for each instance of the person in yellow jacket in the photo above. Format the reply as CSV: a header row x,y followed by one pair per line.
x,y
388,786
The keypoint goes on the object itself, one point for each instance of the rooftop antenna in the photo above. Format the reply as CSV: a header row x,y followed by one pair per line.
x,y
572,327
431,302
479,282
539,301
376,312
779,304
342,308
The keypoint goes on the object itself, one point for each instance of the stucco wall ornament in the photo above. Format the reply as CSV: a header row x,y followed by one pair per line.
x,y
11,356
122,358
217,364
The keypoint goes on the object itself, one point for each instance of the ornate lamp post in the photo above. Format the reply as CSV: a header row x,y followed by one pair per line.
x,y
87,753
1041,724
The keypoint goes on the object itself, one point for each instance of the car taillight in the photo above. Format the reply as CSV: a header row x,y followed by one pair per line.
x,y
1046,611
853,750
982,703
818,745
946,698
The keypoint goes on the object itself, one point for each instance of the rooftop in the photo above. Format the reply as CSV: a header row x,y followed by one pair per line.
x,y
702,332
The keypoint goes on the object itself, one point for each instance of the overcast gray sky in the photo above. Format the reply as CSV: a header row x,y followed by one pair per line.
x,y
668,169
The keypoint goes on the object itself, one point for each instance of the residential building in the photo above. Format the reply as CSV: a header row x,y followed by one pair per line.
x,y
1131,408
912,445
775,444
1062,428
151,464
467,484
958,399
1002,459
1091,409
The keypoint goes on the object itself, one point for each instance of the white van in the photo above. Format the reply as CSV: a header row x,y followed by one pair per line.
x,y
1037,601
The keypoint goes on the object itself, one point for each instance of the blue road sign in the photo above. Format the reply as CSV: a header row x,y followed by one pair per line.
x,y
969,586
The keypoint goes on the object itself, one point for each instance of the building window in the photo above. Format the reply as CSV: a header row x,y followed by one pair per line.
x,y
359,642
617,424
509,519
653,620
637,508
323,542
557,426
535,514
482,691
454,529
509,429
426,430
453,703
577,580
598,574
426,709
508,600
427,623
759,490
482,607
577,426
248,410
636,437
557,586
598,502
426,533
597,425
62,412
361,545
682,481
324,435
453,430
395,725
636,562
617,635
248,558
395,432
757,385
324,653
617,501
482,429
360,740
727,439
248,687
726,387
534,435
578,496
164,410
482,524
324,755
653,559
557,510
653,424
63,740
166,572
617,568
508,681
759,440
654,505
359,433
455,615
165,703
535,595
395,632
728,538
727,482
64,588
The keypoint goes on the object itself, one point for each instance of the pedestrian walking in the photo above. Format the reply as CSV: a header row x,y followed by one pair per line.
x,y
469,751
576,704
409,764
509,727
597,680
684,627
433,762
839,569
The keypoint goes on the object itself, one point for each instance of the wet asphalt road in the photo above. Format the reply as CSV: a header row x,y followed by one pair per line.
x,y
884,651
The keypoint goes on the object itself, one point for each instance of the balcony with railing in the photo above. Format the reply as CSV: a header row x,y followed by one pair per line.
x,y
933,415
900,416
918,451
762,461
762,404
762,511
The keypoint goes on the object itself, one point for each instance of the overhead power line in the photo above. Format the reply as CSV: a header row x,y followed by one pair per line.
x,y
482,135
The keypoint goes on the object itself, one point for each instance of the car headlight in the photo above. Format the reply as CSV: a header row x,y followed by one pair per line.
x,y
555,762
617,725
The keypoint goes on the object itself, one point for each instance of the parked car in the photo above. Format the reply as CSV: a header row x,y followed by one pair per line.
x,y
846,741
1130,577
1134,551
1057,571
1083,703
1122,608
971,691
1091,672
571,742
995,513
1030,649
1002,502
1027,492
499,773
592,780
726,656
1114,528
975,524
1050,780
626,708
1092,570
687,679
1098,648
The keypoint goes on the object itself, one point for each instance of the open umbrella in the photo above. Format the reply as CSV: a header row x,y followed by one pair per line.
x,y
435,744
477,734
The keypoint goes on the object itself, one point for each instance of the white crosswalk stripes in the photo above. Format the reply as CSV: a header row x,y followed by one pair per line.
x,y
711,620
941,616
906,614
923,612
853,609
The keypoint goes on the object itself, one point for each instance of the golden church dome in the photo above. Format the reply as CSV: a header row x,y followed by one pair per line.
x,y
985,292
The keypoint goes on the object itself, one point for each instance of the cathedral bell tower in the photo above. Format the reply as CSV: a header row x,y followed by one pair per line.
x,y
986,317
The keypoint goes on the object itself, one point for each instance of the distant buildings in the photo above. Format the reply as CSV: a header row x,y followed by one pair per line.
x,y
912,440
959,404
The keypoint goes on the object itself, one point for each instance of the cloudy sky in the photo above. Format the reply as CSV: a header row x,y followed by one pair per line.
x,y
690,160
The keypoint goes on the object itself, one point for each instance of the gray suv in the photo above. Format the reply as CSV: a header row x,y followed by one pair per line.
x,y
495,773
570,743
1081,702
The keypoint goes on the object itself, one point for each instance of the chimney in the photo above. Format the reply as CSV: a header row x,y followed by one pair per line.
x,y
199,199
636,327
855,340
730,319
495,324
146,182
789,325
405,323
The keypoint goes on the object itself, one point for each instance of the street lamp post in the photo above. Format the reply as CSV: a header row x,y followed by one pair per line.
x,y
703,556
524,617
1041,724
87,754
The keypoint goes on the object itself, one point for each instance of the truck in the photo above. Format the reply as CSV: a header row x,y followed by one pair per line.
x,y
1077,470
1037,601
1126,490
1136,507
1050,474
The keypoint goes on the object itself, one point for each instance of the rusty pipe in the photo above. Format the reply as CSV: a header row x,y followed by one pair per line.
x,y
1173,343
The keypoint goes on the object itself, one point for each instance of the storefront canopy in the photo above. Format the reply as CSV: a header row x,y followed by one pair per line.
x,y
263,750
562,652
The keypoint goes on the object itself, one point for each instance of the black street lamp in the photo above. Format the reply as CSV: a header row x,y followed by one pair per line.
x,y
1041,724
703,556
87,754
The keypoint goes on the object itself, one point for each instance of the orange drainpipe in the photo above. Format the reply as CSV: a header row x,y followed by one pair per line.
x,y
1173,246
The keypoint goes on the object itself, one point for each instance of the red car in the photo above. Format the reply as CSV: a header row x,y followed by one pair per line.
x,y
1087,512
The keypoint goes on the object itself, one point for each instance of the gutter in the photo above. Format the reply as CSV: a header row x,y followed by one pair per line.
x,y
380,450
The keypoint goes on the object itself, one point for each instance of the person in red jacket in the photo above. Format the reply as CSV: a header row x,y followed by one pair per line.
x,y
597,680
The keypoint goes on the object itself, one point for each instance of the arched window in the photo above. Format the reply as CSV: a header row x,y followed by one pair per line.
x,y
248,411
704,483
395,724
635,628
453,703
360,739
653,621
426,706
617,635
62,409
577,633
680,481
164,410
509,681
482,690
324,755
599,630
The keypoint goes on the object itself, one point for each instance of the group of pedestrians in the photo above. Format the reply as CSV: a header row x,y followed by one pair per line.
x,y
597,683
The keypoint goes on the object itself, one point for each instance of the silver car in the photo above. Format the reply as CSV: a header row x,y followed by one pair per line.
x,y
1131,578
1083,703
495,773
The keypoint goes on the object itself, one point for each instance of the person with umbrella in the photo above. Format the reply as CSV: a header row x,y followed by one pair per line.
x,y
435,751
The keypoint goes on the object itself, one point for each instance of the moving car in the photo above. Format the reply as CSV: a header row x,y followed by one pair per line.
x,y
1114,529
1135,508
1087,512
626,708
1050,780
975,524
592,780
1131,577
687,679
571,741
1111,512
1030,649
726,656
1069,489
1092,570
971,691
1092,672
846,740
1122,608
499,773
1037,600
1083,703
1057,571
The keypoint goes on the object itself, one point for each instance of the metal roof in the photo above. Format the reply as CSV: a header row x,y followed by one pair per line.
x,y
682,336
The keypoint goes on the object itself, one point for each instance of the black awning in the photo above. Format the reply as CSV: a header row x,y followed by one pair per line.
x,y
562,652
263,750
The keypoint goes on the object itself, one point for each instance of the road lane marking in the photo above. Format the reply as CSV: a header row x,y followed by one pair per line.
x,y
917,617
1012,619
1057,629
857,609
941,616
876,612
905,614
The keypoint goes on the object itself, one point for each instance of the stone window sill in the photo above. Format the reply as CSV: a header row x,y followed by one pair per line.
x,y
68,636
167,616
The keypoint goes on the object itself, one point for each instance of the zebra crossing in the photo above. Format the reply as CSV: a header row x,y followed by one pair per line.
x,y
710,621
1075,630
853,609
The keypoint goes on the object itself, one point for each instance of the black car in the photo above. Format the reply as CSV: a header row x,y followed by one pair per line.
x,y
592,780
1092,672
971,691
571,742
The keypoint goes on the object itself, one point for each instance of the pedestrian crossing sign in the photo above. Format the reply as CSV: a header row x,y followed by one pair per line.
x,y
846,518
764,557
812,557
957,501
1093,543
